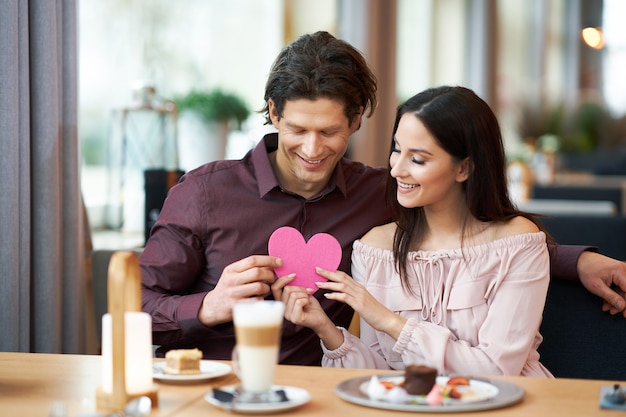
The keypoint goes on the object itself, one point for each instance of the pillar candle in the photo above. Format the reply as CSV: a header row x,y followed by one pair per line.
x,y
138,338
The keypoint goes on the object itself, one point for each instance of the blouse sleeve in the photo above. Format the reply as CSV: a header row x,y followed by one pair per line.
x,y
353,353
514,302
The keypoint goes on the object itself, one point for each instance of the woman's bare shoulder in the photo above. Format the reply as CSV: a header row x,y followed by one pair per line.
x,y
517,226
380,236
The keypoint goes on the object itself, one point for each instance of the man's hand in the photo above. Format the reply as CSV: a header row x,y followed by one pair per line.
x,y
606,278
249,278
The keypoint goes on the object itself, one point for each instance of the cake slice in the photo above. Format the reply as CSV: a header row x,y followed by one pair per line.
x,y
183,361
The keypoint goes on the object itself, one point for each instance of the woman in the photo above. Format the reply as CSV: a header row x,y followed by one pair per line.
x,y
459,280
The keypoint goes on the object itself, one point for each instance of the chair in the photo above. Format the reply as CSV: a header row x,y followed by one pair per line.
x,y
355,325
100,265
581,341
606,232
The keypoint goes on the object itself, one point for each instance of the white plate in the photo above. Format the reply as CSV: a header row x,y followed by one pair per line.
x,y
208,370
487,394
296,396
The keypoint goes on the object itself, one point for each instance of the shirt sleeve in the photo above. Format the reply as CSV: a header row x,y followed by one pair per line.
x,y
353,353
506,337
171,263
564,260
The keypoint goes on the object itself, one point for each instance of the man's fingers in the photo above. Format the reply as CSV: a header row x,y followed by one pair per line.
x,y
255,261
613,302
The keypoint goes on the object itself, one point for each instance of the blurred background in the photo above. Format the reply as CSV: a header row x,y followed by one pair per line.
x,y
153,72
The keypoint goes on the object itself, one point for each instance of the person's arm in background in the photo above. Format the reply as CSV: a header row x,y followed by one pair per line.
x,y
601,275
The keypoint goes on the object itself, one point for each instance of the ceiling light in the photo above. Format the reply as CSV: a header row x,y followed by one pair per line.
x,y
593,37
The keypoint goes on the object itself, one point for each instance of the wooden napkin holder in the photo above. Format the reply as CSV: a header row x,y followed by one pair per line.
x,y
124,295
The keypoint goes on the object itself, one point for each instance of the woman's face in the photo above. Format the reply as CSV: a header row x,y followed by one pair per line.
x,y
426,174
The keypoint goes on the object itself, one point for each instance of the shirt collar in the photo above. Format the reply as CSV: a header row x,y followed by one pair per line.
x,y
266,178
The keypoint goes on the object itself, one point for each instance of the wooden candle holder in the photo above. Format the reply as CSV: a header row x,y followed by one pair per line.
x,y
124,295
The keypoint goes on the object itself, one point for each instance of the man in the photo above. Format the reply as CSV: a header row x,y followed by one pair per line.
x,y
208,248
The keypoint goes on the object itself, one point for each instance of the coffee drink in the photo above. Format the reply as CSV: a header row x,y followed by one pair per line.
x,y
257,331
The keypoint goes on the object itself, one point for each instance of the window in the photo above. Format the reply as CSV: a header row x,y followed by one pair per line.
x,y
176,47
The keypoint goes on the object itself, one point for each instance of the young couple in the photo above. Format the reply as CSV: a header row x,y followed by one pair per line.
x,y
450,274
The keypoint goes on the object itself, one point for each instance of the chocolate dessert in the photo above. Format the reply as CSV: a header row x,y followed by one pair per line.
x,y
419,379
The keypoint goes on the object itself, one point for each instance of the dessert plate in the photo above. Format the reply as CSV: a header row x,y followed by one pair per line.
x,y
208,370
295,398
485,394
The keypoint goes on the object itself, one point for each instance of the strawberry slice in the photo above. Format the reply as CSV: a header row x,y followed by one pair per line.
x,y
454,393
458,380
388,384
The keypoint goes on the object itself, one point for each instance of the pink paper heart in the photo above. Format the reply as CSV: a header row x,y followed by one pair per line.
x,y
302,257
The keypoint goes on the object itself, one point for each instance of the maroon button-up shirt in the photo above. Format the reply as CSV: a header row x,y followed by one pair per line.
x,y
225,211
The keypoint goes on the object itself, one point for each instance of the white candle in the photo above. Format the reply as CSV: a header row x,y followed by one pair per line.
x,y
138,337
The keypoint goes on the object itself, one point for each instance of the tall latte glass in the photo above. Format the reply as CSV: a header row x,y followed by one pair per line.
x,y
257,331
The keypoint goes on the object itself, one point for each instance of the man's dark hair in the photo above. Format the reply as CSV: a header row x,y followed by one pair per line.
x,y
319,65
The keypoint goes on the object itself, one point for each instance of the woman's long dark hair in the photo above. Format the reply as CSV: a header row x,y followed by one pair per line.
x,y
465,127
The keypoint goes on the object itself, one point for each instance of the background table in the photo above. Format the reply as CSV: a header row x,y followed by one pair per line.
x,y
557,207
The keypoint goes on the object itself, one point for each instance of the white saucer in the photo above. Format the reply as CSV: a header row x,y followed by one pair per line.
x,y
296,396
208,370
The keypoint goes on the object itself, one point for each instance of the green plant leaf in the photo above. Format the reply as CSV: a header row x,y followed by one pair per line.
x,y
214,105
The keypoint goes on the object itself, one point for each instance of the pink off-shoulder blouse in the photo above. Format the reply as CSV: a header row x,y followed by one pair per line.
x,y
475,310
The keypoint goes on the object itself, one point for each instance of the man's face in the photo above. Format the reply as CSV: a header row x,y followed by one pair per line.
x,y
313,136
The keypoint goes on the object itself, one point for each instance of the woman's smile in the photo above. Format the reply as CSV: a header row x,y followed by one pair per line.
x,y
406,186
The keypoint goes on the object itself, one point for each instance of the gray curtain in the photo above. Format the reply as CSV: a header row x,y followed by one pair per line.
x,y
42,233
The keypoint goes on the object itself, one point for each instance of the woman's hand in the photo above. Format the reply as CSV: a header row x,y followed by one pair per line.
x,y
345,289
302,309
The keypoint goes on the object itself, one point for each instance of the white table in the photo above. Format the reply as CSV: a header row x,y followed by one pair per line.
x,y
568,207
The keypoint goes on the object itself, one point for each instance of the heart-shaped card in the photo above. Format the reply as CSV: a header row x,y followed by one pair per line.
x,y
301,257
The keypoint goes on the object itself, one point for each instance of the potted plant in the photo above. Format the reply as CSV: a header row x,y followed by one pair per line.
x,y
216,112
214,106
